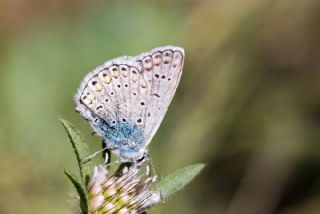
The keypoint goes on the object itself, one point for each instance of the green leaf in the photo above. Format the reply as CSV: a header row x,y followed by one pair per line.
x,y
81,191
178,179
80,148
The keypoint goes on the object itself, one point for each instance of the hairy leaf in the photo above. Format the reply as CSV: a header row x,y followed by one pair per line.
x,y
81,191
80,148
178,179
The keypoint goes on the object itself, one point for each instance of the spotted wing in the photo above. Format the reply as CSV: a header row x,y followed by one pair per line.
x,y
114,92
162,69
135,90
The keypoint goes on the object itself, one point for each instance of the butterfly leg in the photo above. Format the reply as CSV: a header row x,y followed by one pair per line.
x,y
106,153
151,174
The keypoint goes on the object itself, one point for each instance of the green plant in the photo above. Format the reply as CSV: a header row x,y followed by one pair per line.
x,y
120,192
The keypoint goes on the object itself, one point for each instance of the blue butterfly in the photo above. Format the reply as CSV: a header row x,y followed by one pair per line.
x,y
126,98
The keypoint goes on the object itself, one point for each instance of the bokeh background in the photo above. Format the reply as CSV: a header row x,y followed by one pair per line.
x,y
248,104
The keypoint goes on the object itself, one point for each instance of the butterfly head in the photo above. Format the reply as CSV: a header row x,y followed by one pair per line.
x,y
128,154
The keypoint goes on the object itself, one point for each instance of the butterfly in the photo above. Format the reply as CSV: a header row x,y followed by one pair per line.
x,y
126,99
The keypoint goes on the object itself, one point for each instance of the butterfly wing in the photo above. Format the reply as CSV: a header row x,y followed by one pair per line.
x,y
162,69
126,98
108,98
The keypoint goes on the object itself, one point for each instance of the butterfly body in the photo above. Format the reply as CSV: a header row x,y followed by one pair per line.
x,y
126,98
125,138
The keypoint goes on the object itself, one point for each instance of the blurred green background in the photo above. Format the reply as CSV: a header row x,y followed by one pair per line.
x,y
248,104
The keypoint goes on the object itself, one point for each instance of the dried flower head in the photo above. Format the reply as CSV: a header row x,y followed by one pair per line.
x,y
124,192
